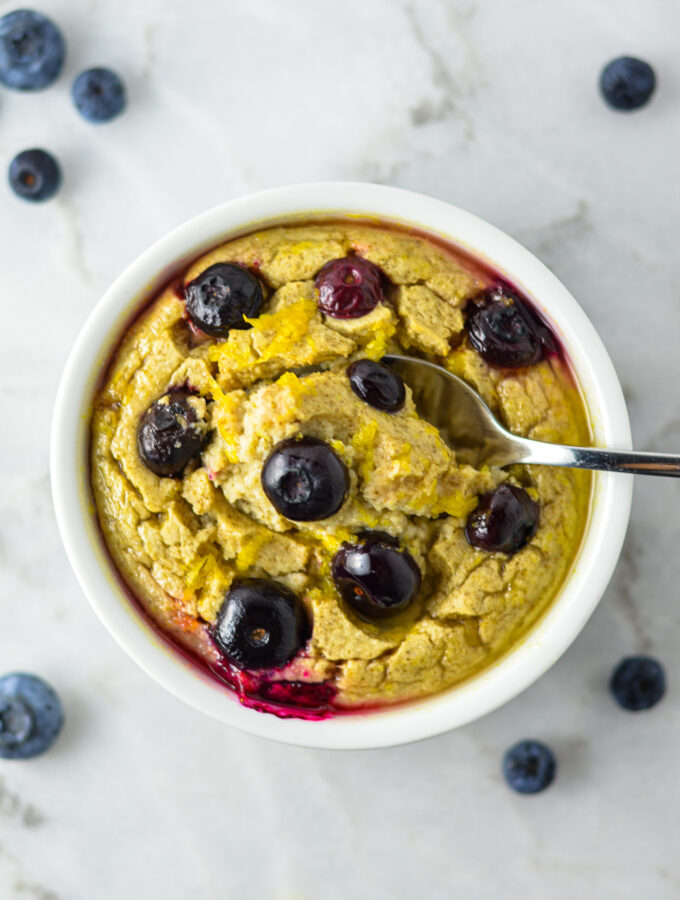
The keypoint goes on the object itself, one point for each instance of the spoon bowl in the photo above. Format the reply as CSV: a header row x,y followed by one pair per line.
x,y
469,427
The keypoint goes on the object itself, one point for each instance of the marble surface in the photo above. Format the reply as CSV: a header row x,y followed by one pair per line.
x,y
490,105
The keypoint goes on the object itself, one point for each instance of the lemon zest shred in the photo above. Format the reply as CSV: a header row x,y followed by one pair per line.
x,y
376,347
332,542
226,405
297,387
364,443
367,516
251,547
338,446
454,505
200,571
403,459
284,328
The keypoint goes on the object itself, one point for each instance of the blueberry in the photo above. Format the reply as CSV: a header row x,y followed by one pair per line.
x,y
349,287
261,624
638,682
221,296
376,577
627,83
504,520
304,479
34,175
32,50
377,385
529,767
98,95
505,331
171,434
31,716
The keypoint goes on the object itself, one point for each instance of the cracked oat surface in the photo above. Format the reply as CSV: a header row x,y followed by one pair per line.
x,y
179,543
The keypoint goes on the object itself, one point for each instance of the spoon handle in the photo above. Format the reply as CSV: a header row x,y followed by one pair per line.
x,y
540,453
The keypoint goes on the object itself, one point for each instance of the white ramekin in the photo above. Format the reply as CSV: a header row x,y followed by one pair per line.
x,y
501,681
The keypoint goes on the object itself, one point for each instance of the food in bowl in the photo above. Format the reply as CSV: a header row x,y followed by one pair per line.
x,y
273,501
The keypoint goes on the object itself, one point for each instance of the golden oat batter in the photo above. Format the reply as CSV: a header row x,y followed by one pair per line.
x,y
240,391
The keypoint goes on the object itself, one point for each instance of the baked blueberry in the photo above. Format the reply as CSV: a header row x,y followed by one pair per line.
x,y
349,287
34,175
304,479
221,296
529,767
505,332
627,83
377,385
504,520
171,434
638,682
98,94
375,576
261,624
31,716
32,50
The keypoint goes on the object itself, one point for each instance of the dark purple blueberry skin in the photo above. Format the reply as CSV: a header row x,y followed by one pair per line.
x,y
34,175
219,298
31,716
377,385
349,287
261,624
170,435
638,682
375,577
99,95
32,50
529,767
504,520
627,83
505,331
304,479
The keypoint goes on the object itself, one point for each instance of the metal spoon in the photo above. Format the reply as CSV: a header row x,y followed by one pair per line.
x,y
470,428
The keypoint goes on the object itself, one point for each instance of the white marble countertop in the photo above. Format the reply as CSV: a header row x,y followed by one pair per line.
x,y
490,105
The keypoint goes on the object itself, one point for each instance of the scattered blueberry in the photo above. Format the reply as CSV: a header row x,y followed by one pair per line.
x,y
529,767
261,624
638,682
627,83
32,50
34,175
98,95
304,479
31,716
377,385
349,287
505,331
376,577
504,520
170,434
221,296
